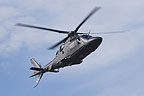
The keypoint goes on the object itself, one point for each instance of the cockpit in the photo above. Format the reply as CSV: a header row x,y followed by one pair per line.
x,y
86,36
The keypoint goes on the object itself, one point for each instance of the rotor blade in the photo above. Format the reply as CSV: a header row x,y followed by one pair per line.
x,y
105,32
109,32
54,46
31,26
38,80
90,14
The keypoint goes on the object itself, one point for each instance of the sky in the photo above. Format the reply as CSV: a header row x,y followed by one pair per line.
x,y
114,69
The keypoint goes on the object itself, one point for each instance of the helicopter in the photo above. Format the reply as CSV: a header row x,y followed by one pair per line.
x,y
74,48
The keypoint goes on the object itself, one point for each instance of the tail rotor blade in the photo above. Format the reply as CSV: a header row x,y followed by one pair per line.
x,y
38,79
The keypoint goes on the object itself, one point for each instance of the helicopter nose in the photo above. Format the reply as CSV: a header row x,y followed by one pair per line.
x,y
94,43
97,39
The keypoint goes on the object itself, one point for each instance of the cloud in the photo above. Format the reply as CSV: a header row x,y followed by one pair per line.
x,y
9,40
7,13
2,33
123,78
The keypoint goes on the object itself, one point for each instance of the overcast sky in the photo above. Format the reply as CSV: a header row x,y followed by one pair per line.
x,y
114,69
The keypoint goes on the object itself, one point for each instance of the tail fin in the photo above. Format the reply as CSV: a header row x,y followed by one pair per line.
x,y
35,64
38,71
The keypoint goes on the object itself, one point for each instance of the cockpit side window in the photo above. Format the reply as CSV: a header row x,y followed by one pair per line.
x,y
60,50
57,52
86,36
61,47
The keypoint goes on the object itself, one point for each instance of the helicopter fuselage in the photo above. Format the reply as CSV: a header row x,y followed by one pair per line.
x,y
73,51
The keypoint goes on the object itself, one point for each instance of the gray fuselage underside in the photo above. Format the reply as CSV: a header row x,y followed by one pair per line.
x,y
72,53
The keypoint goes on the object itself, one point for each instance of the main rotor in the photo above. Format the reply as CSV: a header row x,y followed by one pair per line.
x,y
70,33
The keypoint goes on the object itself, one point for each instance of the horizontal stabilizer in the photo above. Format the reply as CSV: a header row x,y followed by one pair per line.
x,y
37,69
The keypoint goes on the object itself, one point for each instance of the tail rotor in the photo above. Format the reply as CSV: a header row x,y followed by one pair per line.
x,y
38,71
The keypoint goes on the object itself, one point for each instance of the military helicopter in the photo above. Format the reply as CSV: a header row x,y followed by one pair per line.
x,y
76,46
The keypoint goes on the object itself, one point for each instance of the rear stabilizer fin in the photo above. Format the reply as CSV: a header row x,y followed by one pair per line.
x,y
35,64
